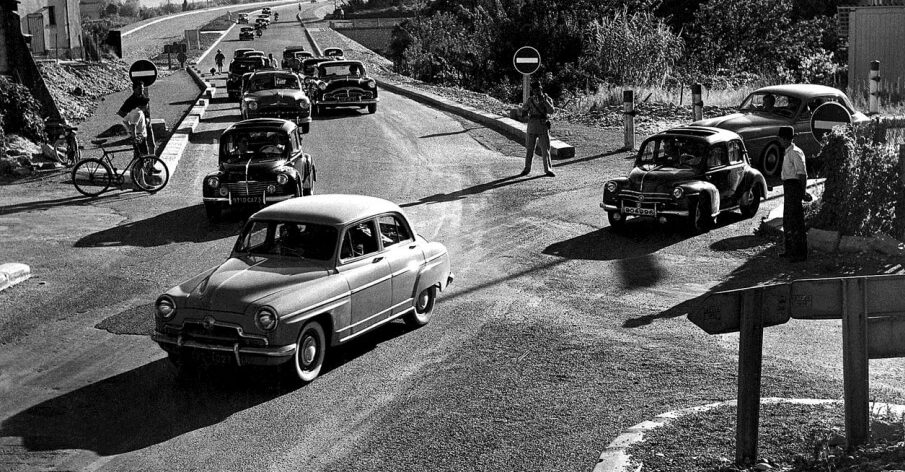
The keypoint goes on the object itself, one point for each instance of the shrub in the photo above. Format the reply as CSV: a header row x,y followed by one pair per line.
x,y
862,190
20,113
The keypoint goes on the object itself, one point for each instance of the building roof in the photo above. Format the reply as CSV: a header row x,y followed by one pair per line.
x,y
333,209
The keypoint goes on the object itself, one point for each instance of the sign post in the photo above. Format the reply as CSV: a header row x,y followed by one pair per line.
x,y
143,73
828,116
526,61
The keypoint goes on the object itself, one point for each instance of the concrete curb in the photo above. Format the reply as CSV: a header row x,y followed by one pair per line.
x,y
615,459
508,127
12,273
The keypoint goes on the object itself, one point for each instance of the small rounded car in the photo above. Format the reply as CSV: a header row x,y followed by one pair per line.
x,y
691,173
766,109
343,83
304,275
243,19
246,33
240,52
261,162
289,56
278,94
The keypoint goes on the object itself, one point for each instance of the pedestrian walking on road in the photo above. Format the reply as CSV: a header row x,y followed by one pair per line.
x,y
219,58
271,61
538,108
794,184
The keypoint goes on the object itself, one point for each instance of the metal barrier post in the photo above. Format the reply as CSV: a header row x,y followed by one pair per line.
x,y
873,101
697,103
855,361
750,358
628,110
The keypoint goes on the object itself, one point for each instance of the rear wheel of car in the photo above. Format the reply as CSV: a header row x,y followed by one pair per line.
x,y
699,217
616,219
310,350
372,108
750,201
771,161
214,211
424,306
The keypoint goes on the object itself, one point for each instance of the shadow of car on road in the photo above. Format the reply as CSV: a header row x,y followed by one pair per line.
x,y
187,224
339,113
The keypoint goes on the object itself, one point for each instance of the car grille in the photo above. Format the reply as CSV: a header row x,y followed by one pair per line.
x,y
646,197
248,187
348,94
219,334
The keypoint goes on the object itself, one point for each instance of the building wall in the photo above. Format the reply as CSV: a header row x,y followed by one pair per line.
x,y
63,31
4,44
876,33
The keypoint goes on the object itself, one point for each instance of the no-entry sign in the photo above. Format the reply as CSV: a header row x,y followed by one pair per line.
x,y
827,116
526,60
143,71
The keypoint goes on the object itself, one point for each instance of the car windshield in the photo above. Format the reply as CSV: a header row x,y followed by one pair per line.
x,y
291,239
273,81
677,152
242,145
342,69
773,103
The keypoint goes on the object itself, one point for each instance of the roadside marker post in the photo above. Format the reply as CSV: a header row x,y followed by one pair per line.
x,y
697,103
628,113
873,80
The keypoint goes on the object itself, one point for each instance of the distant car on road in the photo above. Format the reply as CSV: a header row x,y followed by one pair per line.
x,y
239,52
261,162
266,11
289,56
692,173
276,94
342,83
766,109
304,275
239,67
334,52
243,19
263,21
247,33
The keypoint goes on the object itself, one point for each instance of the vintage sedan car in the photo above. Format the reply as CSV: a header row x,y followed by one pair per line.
x,y
289,56
762,113
266,11
243,19
263,21
692,173
239,67
246,33
303,276
240,52
334,52
261,162
277,94
308,68
343,83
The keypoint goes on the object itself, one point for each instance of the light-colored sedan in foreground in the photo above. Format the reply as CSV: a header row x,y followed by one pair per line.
x,y
304,275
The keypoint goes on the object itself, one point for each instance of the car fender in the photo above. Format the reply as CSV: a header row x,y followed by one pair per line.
x,y
621,183
329,295
753,178
435,271
699,187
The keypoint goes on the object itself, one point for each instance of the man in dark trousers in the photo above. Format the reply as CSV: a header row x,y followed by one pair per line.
x,y
794,184
219,58
538,107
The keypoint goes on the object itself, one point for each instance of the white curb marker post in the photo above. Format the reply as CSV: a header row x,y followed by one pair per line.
x,y
873,101
628,112
697,104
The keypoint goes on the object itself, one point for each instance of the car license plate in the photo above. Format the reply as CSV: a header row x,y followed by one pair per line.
x,y
639,211
248,199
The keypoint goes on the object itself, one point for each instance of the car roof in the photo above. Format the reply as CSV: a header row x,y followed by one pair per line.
x,y
273,72
343,62
801,90
707,133
293,48
262,124
332,209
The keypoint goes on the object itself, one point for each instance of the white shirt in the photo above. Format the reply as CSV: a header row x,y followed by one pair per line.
x,y
135,123
793,163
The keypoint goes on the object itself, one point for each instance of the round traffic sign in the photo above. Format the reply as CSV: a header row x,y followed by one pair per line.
x,y
143,71
526,60
827,116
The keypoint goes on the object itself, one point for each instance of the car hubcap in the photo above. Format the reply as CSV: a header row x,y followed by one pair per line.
x,y
422,301
309,351
747,198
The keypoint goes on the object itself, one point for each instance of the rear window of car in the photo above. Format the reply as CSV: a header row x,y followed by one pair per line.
x,y
239,146
329,69
288,238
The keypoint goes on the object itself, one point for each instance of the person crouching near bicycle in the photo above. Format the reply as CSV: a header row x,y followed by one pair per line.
x,y
137,126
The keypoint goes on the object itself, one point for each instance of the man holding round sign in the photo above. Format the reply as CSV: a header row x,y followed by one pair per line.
x,y
537,107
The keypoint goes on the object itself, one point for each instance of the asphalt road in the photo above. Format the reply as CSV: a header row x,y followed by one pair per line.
x,y
556,334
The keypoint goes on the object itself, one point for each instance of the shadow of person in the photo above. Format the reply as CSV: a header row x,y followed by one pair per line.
x,y
187,224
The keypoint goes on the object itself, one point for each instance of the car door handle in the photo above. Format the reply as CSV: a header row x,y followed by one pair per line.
x,y
413,246
377,259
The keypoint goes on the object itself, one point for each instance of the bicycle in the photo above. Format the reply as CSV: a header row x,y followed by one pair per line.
x,y
63,141
93,176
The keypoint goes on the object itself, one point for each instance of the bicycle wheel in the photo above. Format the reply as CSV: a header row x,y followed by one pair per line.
x,y
150,174
92,177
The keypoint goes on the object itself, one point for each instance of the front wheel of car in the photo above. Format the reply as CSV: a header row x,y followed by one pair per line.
x,y
424,306
372,108
699,217
771,162
750,201
310,350
616,219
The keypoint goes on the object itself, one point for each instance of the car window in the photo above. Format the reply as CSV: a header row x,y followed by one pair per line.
x,y
340,69
735,152
239,146
392,230
360,240
671,151
717,156
292,239
773,103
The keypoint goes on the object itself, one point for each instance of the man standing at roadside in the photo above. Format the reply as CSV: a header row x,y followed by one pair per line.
x,y
538,107
794,184
219,58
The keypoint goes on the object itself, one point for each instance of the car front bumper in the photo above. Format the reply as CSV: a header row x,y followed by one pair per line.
x,y
348,103
245,199
243,355
658,211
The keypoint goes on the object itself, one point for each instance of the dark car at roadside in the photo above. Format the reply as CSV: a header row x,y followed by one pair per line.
x,y
343,83
691,174
239,67
260,162
275,94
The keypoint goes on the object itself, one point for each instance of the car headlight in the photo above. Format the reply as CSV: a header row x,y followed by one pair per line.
x,y
372,83
166,307
282,179
213,181
322,86
611,186
678,193
252,105
266,319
